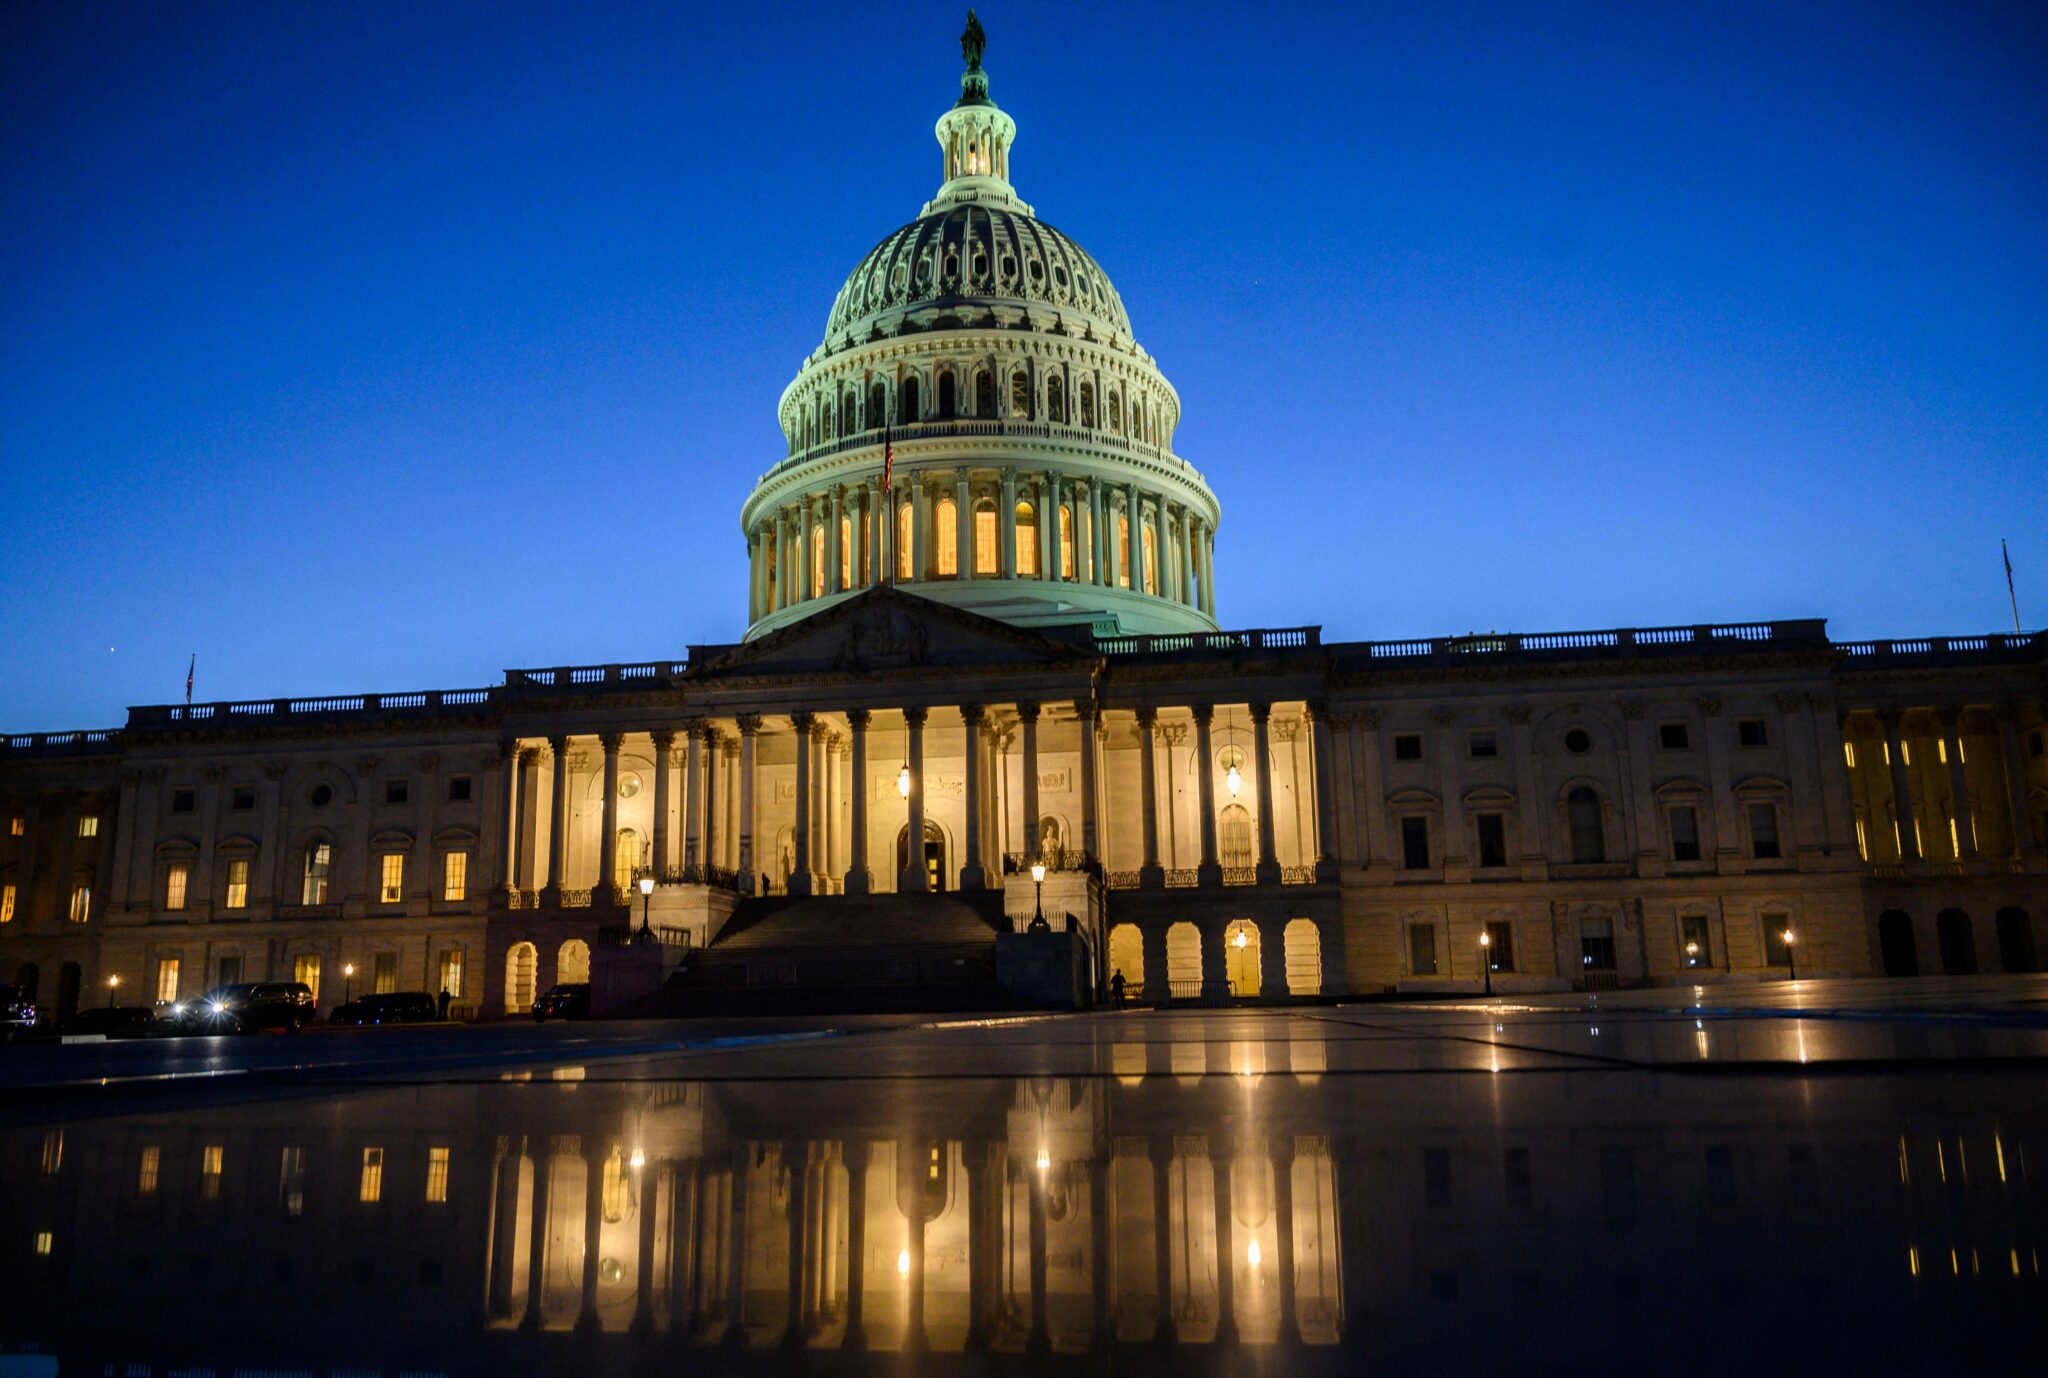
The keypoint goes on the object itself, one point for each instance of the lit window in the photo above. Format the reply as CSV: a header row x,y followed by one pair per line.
x,y
210,1162
291,1180
1066,542
437,1174
306,971
145,1176
238,884
1693,945
7,902
451,972
985,539
905,531
1500,952
16,825
1849,754
371,1187
1774,938
615,1187
1027,541
81,902
391,887
318,857
1862,839
53,1152
89,825
175,880
45,1241
455,876
167,980
846,577
1123,550
817,560
948,519
1151,561
1596,943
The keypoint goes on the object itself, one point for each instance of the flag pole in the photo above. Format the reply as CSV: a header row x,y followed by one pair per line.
x,y
2011,596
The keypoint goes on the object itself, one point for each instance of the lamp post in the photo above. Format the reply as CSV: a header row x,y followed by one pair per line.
x,y
113,984
646,893
1486,958
1791,964
348,982
1038,923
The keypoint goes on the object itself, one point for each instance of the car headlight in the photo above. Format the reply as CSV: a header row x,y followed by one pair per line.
x,y
217,1007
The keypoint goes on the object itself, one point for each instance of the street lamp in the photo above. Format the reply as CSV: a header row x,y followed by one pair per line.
x,y
348,981
1791,965
646,891
903,781
1486,958
113,984
1692,954
1038,923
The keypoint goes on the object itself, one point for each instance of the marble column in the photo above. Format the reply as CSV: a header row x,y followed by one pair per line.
x,y
1323,781
1958,784
664,760
1161,582
915,1340
858,878
915,880
508,819
1090,717
606,890
558,823
1902,785
807,573
796,1169
835,557
1215,962
1152,943
1151,875
799,881
2025,844
1186,589
1027,714
1209,872
963,524
973,875
1268,872
525,827
1098,568
693,801
750,876
921,563
1049,528
715,839
1006,522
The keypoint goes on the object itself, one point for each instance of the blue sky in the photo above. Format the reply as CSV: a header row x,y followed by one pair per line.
x,y
384,346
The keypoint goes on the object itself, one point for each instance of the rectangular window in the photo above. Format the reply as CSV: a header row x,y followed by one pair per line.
x,y
145,1176
176,878
53,1152
384,973
1596,944
1422,948
1673,736
7,902
1694,950
211,1160
1501,951
291,1180
437,1175
394,791
16,825
184,800
1775,926
238,884
167,980
1849,754
391,885
370,1187
89,825
1493,839
1415,843
455,876
318,858
1862,839
81,903
243,798
451,972
230,971
1763,830
1752,732
985,540
1407,746
306,971
1685,833
458,789
1485,745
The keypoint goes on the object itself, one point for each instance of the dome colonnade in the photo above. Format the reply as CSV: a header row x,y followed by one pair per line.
x,y
981,424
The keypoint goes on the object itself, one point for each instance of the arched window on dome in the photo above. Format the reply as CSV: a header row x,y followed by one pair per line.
x,y
771,568
1020,395
948,401
907,400
1137,418
947,517
849,412
818,560
984,393
1088,405
1151,560
825,418
878,406
1066,541
1027,541
846,580
905,533
1123,549
1055,399
985,537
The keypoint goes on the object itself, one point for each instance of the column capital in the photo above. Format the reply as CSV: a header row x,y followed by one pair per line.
x,y
1261,712
508,748
1951,716
915,716
663,738
972,714
1318,710
559,746
803,722
611,742
857,719
1088,711
1027,711
528,755
1205,713
748,723
1147,716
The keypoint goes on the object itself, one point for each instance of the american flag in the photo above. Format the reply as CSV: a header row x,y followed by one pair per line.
x,y
188,678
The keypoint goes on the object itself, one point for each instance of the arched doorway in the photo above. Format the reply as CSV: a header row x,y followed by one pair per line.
x,y
1304,952
1127,958
1958,942
1241,958
2016,941
1895,942
572,963
69,978
1183,961
521,962
934,854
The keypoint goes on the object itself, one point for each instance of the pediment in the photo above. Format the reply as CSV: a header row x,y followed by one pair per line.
x,y
884,629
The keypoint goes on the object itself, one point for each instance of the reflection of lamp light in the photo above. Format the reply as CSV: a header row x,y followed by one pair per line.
x,y
1241,940
1791,966
1486,957
903,1263
1044,1161
113,984
639,1158
1233,780
903,780
1251,1254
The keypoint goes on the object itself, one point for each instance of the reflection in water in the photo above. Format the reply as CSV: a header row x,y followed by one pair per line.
x,y
1228,1198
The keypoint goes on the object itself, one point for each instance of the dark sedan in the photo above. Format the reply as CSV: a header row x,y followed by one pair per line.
x,y
395,1007
563,1002
249,1006
116,1021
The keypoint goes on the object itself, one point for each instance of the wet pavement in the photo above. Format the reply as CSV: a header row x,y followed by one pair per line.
x,y
1819,1177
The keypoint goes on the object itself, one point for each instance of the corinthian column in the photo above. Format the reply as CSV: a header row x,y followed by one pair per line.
x,y
858,877
750,878
1268,872
915,879
558,823
972,874
1210,870
1150,874
664,748
800,865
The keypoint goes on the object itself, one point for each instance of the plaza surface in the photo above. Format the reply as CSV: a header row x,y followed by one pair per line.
x,y
1804,1175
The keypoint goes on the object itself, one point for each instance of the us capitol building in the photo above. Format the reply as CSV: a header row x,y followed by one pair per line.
x,y
986,738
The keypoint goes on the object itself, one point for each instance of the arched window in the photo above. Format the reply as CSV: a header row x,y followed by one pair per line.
x,y
984,393
1066,541
572,963
817,559
986,538
1151,561
906,401
849,411
905,530
1027,541
520,961
1020,394
948,518
1088,404
1056,399
1123,549
1116,410
846,580
319,861
1234,836
825,417
1582,808
878,406
947,401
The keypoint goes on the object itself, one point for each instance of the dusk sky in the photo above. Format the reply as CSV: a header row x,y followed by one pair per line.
x,y
385,346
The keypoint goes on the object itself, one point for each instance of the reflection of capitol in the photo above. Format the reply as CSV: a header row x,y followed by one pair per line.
x,y
1220,1194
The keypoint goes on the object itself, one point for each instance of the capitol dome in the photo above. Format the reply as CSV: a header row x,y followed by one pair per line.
x,y
979,425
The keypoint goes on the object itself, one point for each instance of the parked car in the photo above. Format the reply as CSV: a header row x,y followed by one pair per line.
x,y
17,1012
248,1006
115,1021
563,1002
395,1007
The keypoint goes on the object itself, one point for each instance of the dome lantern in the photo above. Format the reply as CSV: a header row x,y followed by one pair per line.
x,y
974,139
